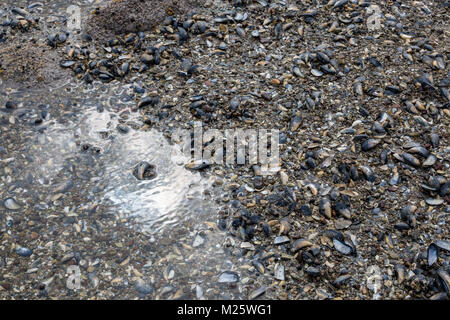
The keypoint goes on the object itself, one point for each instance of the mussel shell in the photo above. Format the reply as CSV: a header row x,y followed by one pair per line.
x,y
400,272
105,76
305,210
424,81
445,189
188,24
240,32
228,277
432,254
434,138
281,240
369,144
326,68
379,129
295,123
144,171
146,101
368,173
11,204
341,280
358,88
402,226
325,207
322,57
258,292
279,272
313,271
343,210
67,63
407,211
24,252
62,37
410,159
334,234
64,187
439,296
197,165
419,150
125,67
443,245
316,73
147,58
354,173
52,38
430,161
300,244
19,11
342,247
258,266
297,72
10,105
445,279
437,181
395,179
182,33
123,128
434,202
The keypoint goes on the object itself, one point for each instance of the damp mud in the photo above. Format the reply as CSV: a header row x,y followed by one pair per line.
x,y
132,16
31,65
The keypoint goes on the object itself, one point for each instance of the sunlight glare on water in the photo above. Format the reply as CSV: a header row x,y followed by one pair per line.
x,y
173,195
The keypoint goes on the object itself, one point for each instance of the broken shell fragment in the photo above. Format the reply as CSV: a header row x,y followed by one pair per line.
x,y
228,277
300,244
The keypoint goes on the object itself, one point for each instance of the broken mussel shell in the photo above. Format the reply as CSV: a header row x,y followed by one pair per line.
x,y
300,244
197,165
228,277
432,254
444,277
345,248
325,207
443,245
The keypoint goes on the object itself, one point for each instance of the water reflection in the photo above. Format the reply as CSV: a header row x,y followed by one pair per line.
x,y
169,198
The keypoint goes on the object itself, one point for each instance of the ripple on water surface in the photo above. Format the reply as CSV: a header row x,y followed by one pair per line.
x,y
172,196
